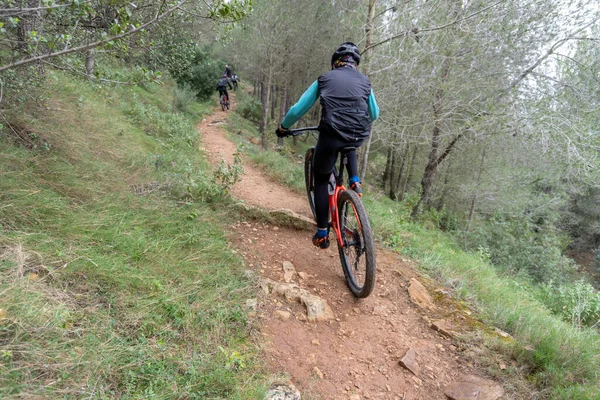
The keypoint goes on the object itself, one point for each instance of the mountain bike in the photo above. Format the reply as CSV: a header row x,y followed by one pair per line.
x,y
224,102
348,220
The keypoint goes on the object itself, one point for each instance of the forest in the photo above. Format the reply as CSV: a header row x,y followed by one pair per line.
x,y
490,111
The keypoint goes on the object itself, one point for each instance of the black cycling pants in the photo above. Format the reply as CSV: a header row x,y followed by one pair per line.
x,y
223,92
324,160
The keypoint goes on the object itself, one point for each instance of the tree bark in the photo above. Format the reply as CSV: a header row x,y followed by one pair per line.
x,y
89,62
264,96
392,192
273,101
442,199
282,107
386,172
409,172
436,141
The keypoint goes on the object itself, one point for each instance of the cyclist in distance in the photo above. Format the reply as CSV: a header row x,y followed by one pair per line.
x,y
235,79
348,109
222,86
228,71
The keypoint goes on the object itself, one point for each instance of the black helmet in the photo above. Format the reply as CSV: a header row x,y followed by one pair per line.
x,y
346,48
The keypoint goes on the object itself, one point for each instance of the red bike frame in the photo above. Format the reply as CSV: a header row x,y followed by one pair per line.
x,y
335,222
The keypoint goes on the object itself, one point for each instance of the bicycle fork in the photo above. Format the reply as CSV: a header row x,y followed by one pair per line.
x,y
335,221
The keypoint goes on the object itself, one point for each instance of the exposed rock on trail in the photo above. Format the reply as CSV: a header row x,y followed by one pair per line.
x,y
317,309
473,388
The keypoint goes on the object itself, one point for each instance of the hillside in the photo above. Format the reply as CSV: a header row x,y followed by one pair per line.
x,y
123,272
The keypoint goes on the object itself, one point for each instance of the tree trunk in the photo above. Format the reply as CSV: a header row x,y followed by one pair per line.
x,y
433,158
282,108
386,172
264,96
273,101
396,182
412,156
442,198
392,170
89,62
476,194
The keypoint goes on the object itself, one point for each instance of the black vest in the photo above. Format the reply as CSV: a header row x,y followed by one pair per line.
x,y
344,93
222,83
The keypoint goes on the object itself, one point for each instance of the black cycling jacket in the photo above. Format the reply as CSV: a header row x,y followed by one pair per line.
x,y
344,93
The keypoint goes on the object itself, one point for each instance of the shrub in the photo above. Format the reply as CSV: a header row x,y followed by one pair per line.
x,y
522,247
183,95
250,108
577,303
201,74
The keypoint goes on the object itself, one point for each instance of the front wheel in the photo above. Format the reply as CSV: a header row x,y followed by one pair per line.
x,y
309,179
222,103
357,250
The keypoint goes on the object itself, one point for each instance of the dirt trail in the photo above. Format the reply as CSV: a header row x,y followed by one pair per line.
x,y
355,356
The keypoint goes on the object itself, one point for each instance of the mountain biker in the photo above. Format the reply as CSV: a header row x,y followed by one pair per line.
x,y
348,108
235,79
228,71
222,86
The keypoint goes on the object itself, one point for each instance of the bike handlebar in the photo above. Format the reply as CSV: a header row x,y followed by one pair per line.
x,y
299,131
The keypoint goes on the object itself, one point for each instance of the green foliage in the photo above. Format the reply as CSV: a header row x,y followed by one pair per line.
x,y
577,303
443,219
162,124
522,246
225,176
183,97
250,108
202,74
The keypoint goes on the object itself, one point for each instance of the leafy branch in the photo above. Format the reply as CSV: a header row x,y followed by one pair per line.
x,y
153,21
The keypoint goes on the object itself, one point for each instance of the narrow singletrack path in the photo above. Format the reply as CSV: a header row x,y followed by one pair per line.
x,y
356,355
256,188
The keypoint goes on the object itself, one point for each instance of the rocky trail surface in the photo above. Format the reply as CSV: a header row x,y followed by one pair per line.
x,y
400,343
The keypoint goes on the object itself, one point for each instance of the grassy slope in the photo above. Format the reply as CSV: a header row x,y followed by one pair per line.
x,y
563,361
108,294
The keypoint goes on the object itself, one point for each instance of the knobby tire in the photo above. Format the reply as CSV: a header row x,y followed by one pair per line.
x,y
309,180
357,254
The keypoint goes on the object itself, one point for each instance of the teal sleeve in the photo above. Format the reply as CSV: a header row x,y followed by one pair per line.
x,y
304,104
373,107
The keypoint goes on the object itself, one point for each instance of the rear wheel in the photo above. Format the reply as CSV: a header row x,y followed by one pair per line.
x,y
309,180
357,250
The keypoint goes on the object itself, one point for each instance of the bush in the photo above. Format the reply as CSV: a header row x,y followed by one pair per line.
x,y
201,75
182,97
577,303
522,247
250,108
203,78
